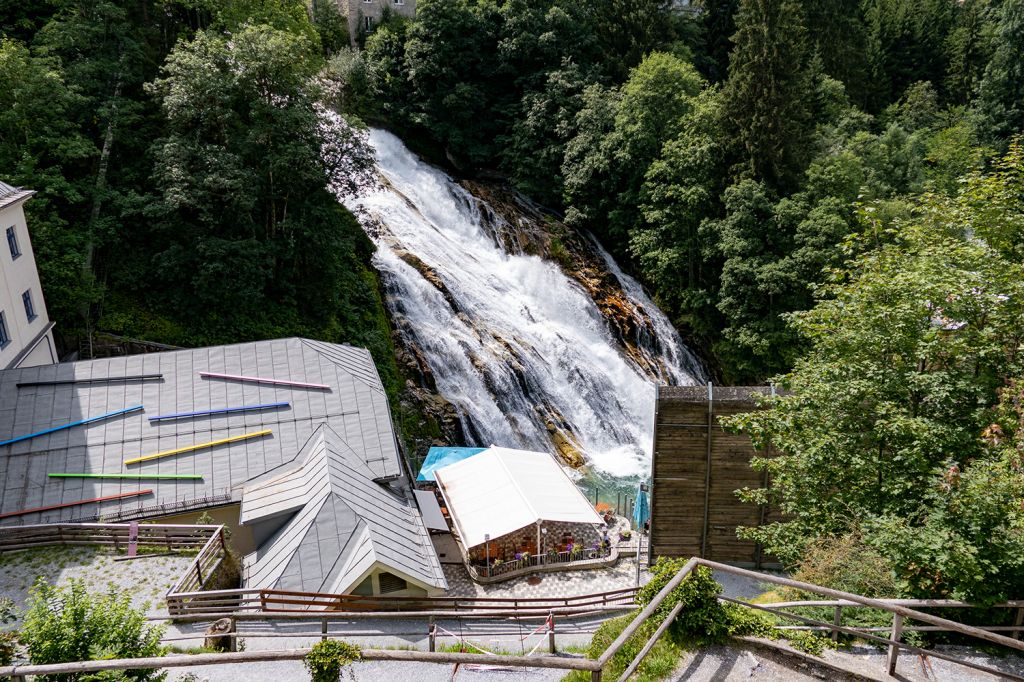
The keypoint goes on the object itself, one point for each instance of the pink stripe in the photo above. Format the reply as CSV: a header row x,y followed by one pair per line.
x,y
263,380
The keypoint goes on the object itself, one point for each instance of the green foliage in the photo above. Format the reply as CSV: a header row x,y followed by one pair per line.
x,y
703,617
70,623
325,661
8,640
659,663
909,344
768,91
1001,96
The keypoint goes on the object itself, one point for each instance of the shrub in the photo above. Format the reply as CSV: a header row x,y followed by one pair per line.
x,y
65,624
325,661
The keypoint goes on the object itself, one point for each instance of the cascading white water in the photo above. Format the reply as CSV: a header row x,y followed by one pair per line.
x,y
510,338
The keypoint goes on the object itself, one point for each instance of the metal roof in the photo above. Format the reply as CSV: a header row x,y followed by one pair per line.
x,y
345,523
354,408
10,195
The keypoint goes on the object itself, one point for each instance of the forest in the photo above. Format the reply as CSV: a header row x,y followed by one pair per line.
x,y
825,194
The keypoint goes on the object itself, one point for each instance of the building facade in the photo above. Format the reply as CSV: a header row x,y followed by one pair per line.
x,y
26,333
363,15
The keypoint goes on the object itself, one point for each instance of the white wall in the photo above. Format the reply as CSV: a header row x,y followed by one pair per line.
x,y
18,275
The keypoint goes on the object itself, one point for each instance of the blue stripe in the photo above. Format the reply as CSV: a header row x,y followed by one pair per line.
x,y
224,410
90,420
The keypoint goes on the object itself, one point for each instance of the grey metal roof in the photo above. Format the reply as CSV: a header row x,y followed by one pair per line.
x,y
345,523
10,195
355,409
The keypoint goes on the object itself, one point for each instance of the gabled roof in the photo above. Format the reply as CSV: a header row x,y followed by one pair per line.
x,y
344,523
500,490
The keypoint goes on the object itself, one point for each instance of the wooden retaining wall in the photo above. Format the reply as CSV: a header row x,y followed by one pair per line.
x,y
697,467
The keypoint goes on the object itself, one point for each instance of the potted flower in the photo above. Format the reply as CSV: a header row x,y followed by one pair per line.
x,y
625,535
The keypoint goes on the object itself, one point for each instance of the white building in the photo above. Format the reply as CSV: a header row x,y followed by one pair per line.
x,y
26,333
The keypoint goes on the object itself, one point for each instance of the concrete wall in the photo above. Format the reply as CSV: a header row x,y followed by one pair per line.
x,y
31,340
364,14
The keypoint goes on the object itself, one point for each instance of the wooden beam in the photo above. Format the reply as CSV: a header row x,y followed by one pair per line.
x,y
200,446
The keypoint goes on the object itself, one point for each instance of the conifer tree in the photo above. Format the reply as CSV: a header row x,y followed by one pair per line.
x,y
1001,100
768,91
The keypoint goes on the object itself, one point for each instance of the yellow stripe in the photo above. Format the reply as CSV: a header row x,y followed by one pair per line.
x,y
201,446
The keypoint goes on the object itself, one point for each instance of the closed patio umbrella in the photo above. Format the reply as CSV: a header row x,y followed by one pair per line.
x,y
642,509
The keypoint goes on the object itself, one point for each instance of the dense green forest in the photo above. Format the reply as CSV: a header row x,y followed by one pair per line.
x,y
828,194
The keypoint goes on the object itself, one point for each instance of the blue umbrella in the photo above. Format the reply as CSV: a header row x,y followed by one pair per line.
x,y
642,509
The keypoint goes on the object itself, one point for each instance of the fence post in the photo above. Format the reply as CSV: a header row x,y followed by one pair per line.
x,y
199,573
431,635
1018,620
551,631
837,620
595,676
323,629
233,641
894,638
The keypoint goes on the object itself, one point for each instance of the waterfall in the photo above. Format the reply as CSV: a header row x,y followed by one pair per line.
x,y
520,348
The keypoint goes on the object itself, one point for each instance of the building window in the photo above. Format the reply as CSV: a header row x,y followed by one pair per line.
x,y
12,243
5,337
399,2
391,583
30,310
367,23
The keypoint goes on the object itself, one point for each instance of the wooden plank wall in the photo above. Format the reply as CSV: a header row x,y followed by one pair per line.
x,y
694,508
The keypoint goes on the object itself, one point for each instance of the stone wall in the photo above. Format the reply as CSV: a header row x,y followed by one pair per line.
x,y
364,14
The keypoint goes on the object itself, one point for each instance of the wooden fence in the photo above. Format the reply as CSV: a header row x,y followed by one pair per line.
x,y
268,601
901,611
209,540
696,469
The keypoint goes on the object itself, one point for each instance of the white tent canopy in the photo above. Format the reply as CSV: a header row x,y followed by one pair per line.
x,y
500,490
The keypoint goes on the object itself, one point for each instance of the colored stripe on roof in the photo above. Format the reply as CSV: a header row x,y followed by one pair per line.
x,y
263,380
108,415
222,410
22,512
200,446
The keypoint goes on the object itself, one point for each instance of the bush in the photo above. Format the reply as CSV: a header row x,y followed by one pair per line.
x,y
8,640
325,661
65,624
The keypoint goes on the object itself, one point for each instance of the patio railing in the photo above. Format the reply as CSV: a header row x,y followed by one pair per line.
x,y
528,563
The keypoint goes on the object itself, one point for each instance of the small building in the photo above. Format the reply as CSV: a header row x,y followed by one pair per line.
x,y
26,333
289,442
363,15
519,508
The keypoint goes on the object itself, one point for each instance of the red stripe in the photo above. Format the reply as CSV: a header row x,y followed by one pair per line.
x,y
75,504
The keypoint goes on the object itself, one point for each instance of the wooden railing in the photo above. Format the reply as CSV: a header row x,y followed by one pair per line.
x,y
228,602
213,553
209,540
899,608
533,563
117,535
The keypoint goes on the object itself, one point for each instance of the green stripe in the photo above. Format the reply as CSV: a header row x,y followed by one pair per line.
x,y
191,477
